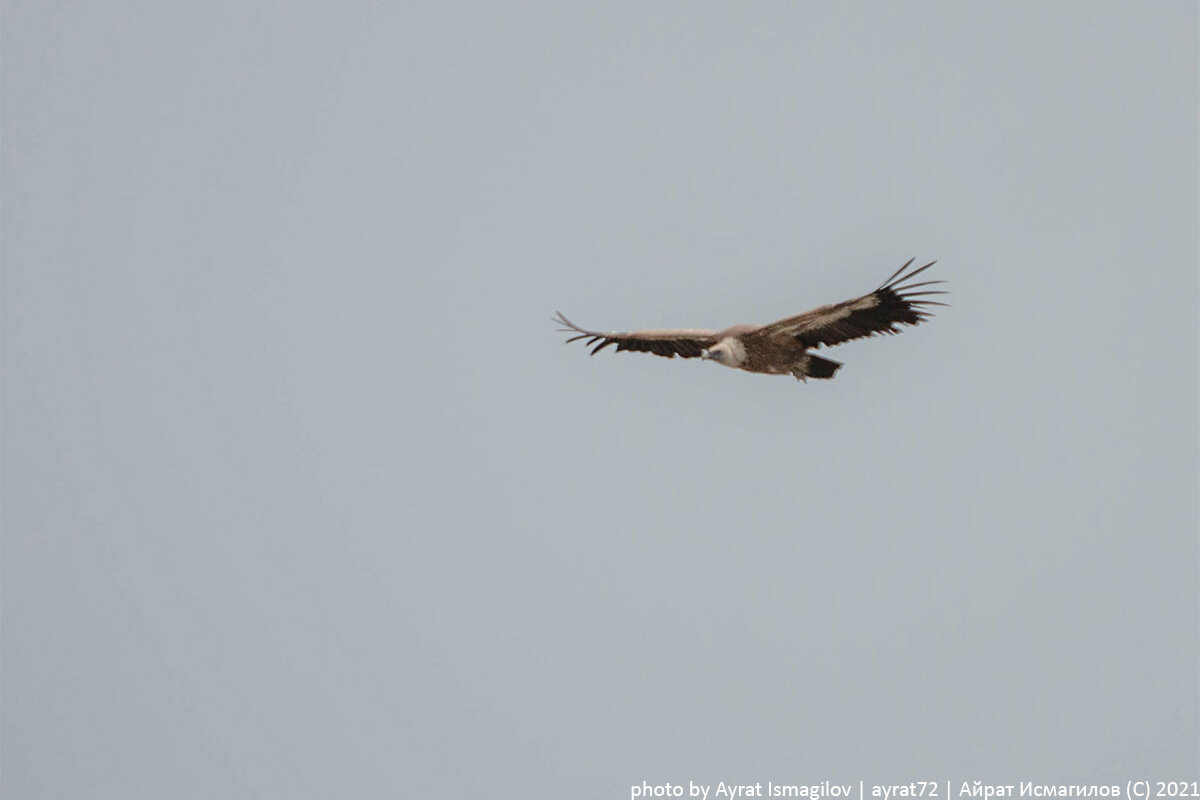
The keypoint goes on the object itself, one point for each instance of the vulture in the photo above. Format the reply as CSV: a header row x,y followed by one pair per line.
x,y
783,347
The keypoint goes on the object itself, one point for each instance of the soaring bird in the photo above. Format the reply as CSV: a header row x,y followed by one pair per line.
x,y
782,348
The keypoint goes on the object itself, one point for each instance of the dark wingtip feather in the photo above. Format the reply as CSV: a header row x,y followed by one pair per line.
x,y
897,272
895,282
562,320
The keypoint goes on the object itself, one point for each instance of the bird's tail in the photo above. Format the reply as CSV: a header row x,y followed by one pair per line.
x,y
811,366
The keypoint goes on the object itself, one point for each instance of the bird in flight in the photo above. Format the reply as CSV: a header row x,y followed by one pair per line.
x,y
782,348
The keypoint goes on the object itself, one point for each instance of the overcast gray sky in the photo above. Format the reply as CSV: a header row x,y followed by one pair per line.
x,y
305,498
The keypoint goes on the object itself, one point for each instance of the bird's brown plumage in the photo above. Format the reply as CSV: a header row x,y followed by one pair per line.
x,y
879,312
684,342
781,347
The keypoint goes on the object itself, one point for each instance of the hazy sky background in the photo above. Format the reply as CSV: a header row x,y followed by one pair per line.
x,y
305,498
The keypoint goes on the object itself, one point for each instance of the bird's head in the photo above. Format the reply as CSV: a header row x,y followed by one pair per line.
x,y
720,352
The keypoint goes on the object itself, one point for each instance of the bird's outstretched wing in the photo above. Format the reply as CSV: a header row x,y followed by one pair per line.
x,y
684,342
893,303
